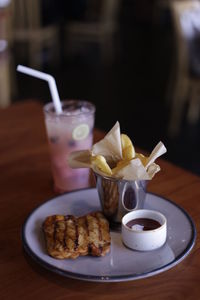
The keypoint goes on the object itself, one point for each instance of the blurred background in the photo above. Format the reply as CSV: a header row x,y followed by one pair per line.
x,y
138,61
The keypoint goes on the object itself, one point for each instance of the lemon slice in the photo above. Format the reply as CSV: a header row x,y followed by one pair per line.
x,y
80,132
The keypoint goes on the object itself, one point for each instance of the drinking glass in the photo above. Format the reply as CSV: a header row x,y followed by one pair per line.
x,y
69,131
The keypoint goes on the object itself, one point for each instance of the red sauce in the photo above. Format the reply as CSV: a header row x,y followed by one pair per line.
x,y
146,224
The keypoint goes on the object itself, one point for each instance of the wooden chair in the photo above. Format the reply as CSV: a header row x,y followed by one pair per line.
x,y
186,77
27,27
6,79
99,26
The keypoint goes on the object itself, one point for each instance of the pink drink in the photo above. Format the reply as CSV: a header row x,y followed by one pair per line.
x,y
70,131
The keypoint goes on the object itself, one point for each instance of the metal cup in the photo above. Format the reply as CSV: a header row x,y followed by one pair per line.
x,y
118,197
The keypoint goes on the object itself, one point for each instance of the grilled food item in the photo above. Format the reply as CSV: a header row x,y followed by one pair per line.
x,y
70,236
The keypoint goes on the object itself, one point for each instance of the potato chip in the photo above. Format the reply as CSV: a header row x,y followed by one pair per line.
x,y
128,151
115,156
120,165
143,158
100,162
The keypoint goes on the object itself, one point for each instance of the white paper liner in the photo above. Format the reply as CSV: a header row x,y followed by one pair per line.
x,y
80,159
110,146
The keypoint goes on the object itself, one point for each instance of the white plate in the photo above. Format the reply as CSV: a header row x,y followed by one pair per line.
x,y
121,264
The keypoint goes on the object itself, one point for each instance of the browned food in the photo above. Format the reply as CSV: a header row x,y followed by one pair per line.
x,y
70,236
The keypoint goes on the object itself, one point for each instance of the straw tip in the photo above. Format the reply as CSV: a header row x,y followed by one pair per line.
x,y
19,67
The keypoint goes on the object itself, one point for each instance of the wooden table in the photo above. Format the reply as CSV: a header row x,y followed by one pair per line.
x,y
26,182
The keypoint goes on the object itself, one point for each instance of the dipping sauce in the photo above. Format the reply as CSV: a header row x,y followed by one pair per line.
x,y
143,224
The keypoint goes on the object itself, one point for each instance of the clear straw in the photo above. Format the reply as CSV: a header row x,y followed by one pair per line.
x,y
51,81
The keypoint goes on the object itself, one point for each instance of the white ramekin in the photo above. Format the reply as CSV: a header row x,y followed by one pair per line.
x,y
148,239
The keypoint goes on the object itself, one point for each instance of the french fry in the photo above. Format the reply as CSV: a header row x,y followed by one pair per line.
x,y
128,151
100,162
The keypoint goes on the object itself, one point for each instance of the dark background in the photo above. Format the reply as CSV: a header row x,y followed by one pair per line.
x,y
131,87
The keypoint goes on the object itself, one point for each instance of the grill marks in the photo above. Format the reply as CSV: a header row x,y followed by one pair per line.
x,y
89,246
77,234
69,236
94,234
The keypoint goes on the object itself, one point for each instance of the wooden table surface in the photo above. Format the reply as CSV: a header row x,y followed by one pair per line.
x,y
26,182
